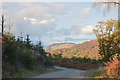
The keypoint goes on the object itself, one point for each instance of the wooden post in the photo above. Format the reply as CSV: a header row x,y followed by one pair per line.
x,y
2,25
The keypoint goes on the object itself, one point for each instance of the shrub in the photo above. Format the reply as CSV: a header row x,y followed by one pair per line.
x,y
97,61
9,50
108,39
112,69
19,56
28,61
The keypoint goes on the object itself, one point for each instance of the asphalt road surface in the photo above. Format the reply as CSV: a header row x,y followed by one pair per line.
x,y
63,73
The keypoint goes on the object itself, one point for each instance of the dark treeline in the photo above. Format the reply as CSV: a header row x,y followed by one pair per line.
x,y
18,54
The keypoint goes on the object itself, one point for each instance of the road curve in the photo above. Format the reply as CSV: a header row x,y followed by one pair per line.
x,y
63,73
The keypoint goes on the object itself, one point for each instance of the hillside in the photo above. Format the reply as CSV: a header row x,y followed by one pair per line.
x,y
57,46
86,49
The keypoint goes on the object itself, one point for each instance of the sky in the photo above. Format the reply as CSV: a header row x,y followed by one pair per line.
x,y
55,22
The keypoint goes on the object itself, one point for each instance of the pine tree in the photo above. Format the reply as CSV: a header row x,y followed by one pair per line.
x,y
18,39
28,41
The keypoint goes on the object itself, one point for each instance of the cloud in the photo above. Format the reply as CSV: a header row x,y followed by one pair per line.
x,y
67,38
87,29
74,30
41,11
84,12
36,19
40,21
74,39
74,34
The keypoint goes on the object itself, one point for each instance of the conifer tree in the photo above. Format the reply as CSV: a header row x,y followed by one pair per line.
x,y
28,40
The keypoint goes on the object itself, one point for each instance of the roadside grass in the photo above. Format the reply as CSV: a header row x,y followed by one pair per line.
x,y
95,73
26,73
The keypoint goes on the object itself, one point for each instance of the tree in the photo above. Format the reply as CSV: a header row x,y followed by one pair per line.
x,y
40,45
18,39
40,48
109,5
107,35
28,41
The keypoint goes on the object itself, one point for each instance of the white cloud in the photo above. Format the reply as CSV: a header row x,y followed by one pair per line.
x,y
88,29
39,21
58,38
43,21
41,11
87,10
75,30
47,21
84,12
36,19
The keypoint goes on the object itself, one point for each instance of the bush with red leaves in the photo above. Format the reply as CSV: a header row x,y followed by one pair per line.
x,y
112,69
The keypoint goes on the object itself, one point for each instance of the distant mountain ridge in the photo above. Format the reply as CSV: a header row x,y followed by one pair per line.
x,y
86,49
56,46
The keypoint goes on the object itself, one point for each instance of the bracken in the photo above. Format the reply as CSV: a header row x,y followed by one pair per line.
x,y
112,69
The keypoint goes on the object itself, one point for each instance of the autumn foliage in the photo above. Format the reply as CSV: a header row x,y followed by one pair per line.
x,y
112,69
107,36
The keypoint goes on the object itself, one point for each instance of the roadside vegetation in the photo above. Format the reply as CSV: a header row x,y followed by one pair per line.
x,y
107,66
107,35
25,59
21,56
83,63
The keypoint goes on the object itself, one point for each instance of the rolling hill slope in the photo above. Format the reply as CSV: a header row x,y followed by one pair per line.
x,y
86,49
57,46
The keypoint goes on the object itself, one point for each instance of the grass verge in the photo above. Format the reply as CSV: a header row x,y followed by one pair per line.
x,y
95,73
25,73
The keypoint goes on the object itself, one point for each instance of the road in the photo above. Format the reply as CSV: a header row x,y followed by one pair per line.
x,y
63,73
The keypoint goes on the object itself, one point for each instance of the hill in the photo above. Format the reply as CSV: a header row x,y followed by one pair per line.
x,y
57,46
86,49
